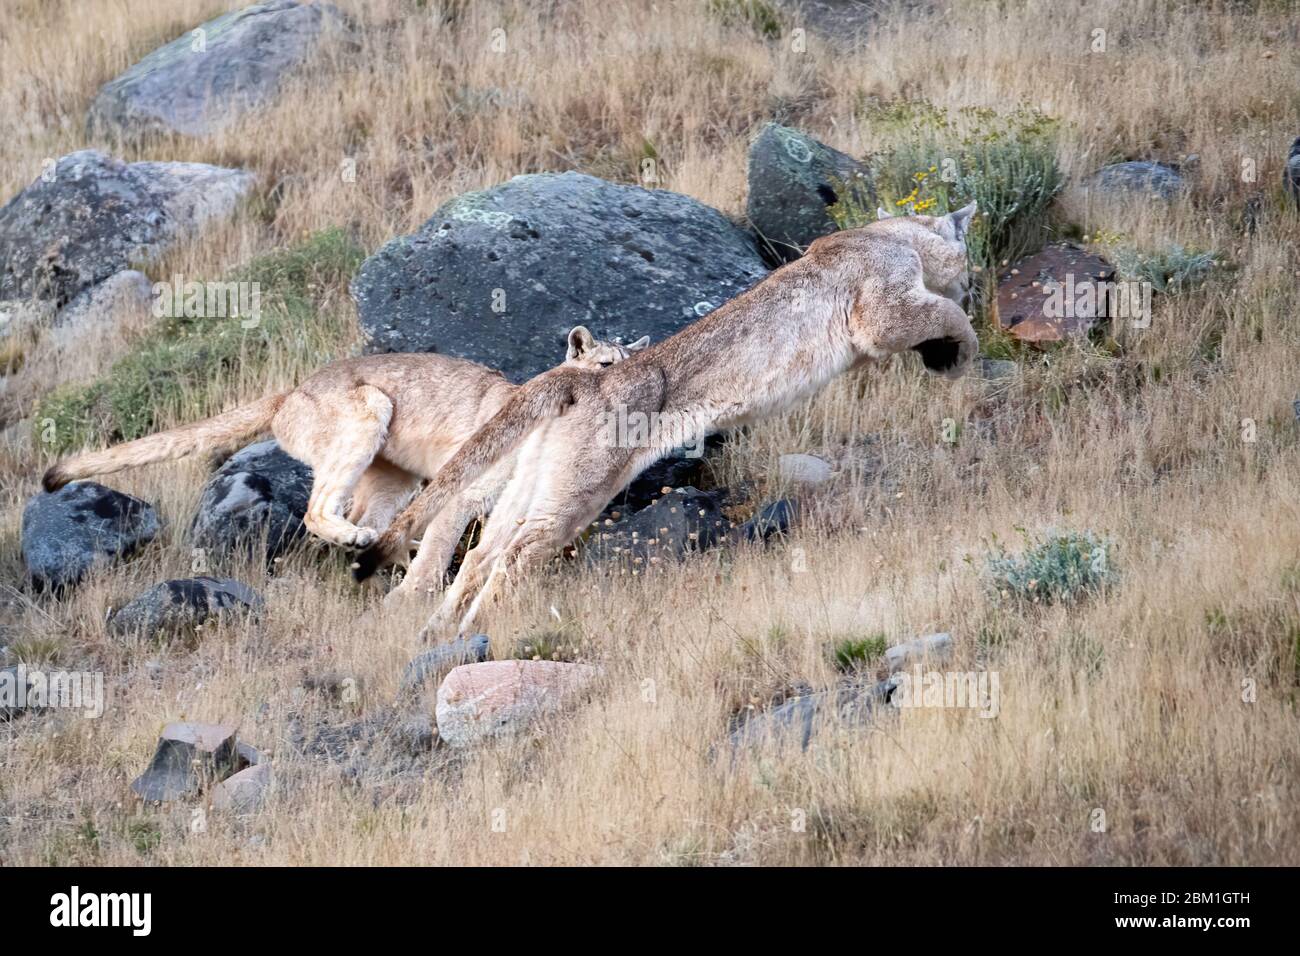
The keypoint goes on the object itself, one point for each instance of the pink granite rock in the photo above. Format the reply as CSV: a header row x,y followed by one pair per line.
x,y
492,698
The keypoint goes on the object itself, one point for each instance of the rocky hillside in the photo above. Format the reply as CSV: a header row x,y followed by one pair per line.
x,y
1049,613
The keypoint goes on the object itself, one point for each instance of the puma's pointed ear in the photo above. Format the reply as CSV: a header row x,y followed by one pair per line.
x,y
639,344
580,342
961,220
882,213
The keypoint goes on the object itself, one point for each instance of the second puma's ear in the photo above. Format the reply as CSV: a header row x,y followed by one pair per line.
x,y
639,344
961,220
580,342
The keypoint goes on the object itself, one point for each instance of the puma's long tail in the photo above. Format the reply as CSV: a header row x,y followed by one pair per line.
x,y
216,433
536,401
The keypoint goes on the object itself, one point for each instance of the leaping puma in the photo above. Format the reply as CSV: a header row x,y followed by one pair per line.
x,y
857,296
370,428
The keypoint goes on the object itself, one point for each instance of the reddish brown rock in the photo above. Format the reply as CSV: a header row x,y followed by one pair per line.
x,y
1054,294
477,701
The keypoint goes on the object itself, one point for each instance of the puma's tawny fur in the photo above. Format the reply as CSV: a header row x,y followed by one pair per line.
x,y
858,296
370,428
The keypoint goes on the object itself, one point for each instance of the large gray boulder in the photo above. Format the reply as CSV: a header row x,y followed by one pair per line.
x,y
257,497
81,525
1138,178
90,216
499,276
793,182
206,78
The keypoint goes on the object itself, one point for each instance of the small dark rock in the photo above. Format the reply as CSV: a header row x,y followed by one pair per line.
x,y
66,533
14,684
437,661
1291,173
189,758
775,518
182,604
682,521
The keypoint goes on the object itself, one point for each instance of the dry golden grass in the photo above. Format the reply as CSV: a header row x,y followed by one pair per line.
x,y
1131,702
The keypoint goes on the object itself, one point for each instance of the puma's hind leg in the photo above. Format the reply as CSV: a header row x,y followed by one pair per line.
x,y
380,494
358,427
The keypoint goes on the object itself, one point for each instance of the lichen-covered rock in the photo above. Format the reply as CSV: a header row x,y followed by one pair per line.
x,y
182,604
203,80
83,524
793,182
90,216
258,495
500,276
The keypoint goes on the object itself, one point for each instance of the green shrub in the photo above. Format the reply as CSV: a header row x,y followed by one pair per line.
x,y
184,356
1170,270
1061,567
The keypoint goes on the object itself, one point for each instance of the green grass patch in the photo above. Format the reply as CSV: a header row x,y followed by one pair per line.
x,y
759,15
851,653
184,357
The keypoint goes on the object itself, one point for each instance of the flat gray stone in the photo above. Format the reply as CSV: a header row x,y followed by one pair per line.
x,y
801,718
804,469
1139,177
931,649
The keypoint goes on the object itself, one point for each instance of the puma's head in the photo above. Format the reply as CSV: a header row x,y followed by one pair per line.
x,y
941,242
586,351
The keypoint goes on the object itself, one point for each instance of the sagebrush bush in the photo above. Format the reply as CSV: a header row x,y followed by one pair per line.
x,y
1060,567
1170,270
943,160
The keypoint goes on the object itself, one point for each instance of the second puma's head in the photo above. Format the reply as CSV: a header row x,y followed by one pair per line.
x,y
586,351
941,242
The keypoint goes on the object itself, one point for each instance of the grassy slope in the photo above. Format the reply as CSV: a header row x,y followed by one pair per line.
x,y
1130,702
